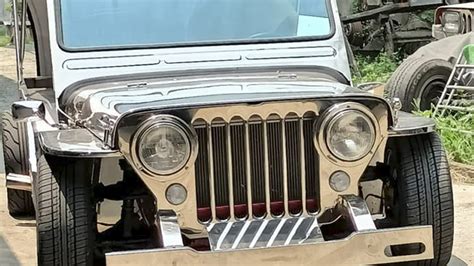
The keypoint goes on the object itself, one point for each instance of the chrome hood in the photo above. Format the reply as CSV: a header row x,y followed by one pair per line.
x,y
98,104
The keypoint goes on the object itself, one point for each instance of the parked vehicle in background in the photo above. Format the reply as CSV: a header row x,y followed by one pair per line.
x,y
453,20
422,77
373,26
217,132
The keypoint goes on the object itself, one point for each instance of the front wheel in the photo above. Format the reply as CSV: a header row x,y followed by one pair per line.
x,y
65,211
422,193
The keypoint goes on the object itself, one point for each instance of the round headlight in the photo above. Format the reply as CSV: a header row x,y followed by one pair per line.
x,y
350,135
164,148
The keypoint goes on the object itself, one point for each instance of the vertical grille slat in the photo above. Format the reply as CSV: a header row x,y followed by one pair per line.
x,y
312,165
230,169
238,162
257,167
220,170
248,170
202,169
266,159
284,143
293,166
275,165
257,150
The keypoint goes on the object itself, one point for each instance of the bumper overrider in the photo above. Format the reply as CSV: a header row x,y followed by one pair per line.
x,y
286,240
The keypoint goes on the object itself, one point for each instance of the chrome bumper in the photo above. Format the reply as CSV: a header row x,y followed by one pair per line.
x,y
286,240
359,248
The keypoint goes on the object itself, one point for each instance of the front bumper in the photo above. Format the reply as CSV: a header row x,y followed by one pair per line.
x,y
368,247
283,241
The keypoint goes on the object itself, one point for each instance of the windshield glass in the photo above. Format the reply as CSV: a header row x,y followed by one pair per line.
x,y
130,23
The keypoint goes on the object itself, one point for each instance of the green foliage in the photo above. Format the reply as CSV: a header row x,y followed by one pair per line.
x,y
8,7
427,16
356,6
457,131
375,69
4,41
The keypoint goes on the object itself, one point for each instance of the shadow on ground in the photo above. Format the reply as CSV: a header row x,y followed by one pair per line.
x,y
6,255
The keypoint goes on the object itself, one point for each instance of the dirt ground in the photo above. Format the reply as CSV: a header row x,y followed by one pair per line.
x,y
18,238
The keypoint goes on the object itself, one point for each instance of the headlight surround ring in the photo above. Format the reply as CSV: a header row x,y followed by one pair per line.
x,y
160,122
330,117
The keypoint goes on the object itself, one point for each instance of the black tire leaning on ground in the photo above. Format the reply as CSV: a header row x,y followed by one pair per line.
x,y
65,211
20,203
419,78
424,191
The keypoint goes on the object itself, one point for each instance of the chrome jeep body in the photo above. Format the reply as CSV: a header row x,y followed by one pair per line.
x,y
97,101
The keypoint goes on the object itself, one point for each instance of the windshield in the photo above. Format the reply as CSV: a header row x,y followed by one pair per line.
x,y
111,23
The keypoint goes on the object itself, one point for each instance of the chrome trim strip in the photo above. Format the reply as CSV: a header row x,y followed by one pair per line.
x,y
258,234
293,232
222,237
276,232
240,235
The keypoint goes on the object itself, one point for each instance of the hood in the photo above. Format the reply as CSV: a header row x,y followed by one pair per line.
x,y
98,104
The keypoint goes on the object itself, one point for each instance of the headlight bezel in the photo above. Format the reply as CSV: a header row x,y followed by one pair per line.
x,y
153,123
322,128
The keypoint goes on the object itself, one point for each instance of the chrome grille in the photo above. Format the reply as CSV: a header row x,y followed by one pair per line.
x,y
256,167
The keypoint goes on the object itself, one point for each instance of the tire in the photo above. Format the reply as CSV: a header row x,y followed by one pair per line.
x,y
424,193
20,203
66,212
419,79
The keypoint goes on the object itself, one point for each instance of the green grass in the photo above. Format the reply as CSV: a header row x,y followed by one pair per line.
x,y
457,132
375,69
4,41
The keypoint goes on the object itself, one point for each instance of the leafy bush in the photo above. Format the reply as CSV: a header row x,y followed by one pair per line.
x,y
457,131
375,69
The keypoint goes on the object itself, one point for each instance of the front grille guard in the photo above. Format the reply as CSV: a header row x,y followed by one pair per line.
x,y
256,168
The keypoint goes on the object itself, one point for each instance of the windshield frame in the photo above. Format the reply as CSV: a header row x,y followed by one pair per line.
x,y
62,46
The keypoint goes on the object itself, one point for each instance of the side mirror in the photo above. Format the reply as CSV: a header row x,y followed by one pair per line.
x,y
23,110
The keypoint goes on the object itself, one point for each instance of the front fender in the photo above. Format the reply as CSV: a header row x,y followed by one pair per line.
x,y
410,124
74,143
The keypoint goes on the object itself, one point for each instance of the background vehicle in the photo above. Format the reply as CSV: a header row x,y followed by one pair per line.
x,y
234,141
422,77
390,26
